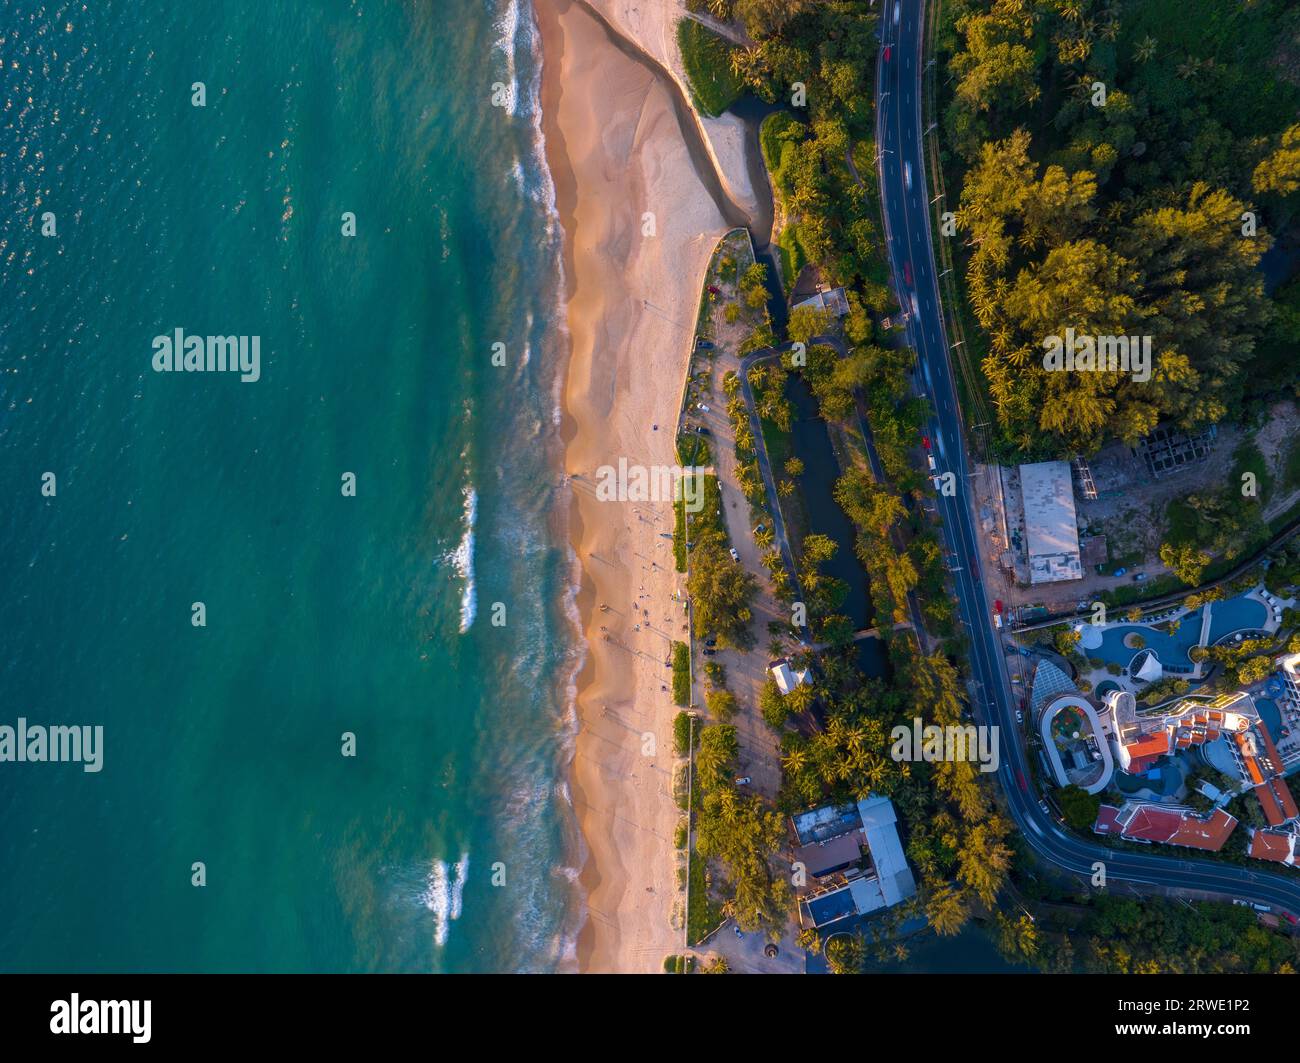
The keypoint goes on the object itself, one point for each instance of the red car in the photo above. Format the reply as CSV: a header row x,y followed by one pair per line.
x,y
887,51
907,273
925,442
997,605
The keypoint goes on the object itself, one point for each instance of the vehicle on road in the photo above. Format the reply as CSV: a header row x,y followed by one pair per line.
x,y
907,273
888,51
1120,572
916,310
907,175
702,407
1020,716
925,442
734,556
1020,779
934,467
897,9
1138,577
1046,811
744,780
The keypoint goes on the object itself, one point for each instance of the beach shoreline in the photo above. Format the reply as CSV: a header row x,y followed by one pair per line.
x,y
640,223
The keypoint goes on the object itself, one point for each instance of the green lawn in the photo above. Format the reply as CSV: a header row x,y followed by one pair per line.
x,y
707,59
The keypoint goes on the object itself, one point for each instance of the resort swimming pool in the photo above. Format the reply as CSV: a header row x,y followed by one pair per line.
x,y
1171,649
1234,614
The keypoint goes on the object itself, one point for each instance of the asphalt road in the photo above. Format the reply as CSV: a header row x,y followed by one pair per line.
x,y
907,228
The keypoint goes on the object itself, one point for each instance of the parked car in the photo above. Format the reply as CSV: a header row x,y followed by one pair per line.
x,y
744,780
1120,572
702,430
702,407
1020,716
704,345
734,556
934,467
925,442
1138,577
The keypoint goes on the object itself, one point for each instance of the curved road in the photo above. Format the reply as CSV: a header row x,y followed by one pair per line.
x,y
907,228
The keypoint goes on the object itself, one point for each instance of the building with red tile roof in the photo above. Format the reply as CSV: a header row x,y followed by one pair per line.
x,y
1141,821
1278,846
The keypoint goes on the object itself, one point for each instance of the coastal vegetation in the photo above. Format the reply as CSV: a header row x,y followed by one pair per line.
x,y
834,734
1121,167
1107,934
707,60
681,674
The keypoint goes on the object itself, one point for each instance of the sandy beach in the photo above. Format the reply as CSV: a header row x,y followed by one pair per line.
x,y
640,226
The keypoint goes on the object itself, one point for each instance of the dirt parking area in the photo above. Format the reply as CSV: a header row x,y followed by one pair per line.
x,y
1128,512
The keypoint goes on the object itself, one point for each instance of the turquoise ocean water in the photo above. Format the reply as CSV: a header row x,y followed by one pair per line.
x,y
444,844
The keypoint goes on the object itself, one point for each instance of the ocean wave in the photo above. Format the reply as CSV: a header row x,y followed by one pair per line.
x,y
443,895
508,26
462,558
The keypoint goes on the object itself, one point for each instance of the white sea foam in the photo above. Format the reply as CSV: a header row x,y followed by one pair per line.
x,y
443,895
462,558
508,26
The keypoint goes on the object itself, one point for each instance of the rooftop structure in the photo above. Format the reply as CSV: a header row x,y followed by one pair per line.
x,y
831,840
1141,821
833,300
822,824
834,854
1050,526
880,824
1281,847
1291,677
1049,683
1262,768
1069,725
1139,741
786,677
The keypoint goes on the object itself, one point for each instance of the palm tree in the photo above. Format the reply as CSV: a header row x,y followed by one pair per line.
x,y
800,699
1145,50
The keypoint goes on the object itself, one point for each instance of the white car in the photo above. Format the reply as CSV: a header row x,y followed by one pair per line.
x,y
1020,716
702,406
933,467
897,6
734,556
907,175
